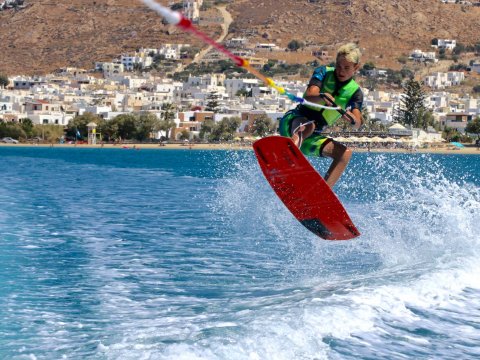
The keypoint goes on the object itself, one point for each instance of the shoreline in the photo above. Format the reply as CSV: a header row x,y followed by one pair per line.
x,y
445,149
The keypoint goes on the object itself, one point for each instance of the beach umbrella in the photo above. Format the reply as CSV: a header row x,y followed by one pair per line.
x,y
457,144
343,139
390,139
377,139
364,139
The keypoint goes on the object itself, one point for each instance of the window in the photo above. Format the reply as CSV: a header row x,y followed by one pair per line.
x,y
45,121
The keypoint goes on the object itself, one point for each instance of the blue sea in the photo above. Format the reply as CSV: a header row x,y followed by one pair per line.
x,y
189,254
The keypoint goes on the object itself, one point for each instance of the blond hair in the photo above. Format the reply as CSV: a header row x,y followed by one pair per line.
x,y
351,52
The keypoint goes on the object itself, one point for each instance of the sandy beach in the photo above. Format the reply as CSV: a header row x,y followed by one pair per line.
x,y
439,149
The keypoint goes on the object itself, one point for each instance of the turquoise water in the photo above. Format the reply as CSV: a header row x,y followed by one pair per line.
x,y
188,254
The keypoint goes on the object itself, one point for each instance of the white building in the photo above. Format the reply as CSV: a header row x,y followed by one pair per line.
x,y
5,107
436,101
457,121
129,61
109,68
399,130
421,56
420,135
476,67
265,46
446,44
208,81
240,42
377,73
51,118
191,9
440,80
232,86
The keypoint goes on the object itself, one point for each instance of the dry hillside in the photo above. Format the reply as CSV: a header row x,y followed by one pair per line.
x,y
51,34
385,29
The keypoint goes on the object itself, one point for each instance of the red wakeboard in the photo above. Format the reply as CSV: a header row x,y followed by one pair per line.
x,y
303,191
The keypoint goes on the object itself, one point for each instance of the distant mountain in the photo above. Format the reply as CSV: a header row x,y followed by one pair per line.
x,y
49,34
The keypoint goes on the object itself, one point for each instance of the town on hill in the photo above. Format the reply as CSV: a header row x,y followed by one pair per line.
x,y
191,93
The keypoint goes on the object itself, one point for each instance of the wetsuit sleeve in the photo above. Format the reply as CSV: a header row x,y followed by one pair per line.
x,y
356,102
318,76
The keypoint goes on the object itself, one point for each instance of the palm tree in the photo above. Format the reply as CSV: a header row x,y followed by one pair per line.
x,y
167,119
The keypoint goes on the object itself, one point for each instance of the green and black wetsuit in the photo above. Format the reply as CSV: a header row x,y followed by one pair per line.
x,y
347,94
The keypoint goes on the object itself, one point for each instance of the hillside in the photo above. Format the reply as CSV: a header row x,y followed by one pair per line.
x,y
51,34
384,29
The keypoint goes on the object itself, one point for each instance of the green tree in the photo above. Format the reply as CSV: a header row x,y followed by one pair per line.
x,y
167,122
49,132
138,68
412,105
460,48
243,92
145,125
407,73
441,54
127,127
212,102
225,129
394,77
449,133
425,118
295,45
184,134
368,66
4,80
371,83
402,59
79,123
189,52
109,130
473,127
366,119
13,130
262,126
27,126
477,48
206,128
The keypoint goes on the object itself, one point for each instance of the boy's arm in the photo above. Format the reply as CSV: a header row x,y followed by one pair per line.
x,y
357,116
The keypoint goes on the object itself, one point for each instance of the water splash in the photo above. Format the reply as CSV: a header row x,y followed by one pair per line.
x,y
408,208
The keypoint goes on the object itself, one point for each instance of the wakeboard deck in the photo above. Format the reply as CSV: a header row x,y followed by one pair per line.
x,y
303,191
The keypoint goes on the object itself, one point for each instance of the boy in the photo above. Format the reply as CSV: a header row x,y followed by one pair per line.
x,y
328,86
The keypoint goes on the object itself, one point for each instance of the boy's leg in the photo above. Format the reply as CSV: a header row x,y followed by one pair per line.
x,y
291,125
341,156
301,129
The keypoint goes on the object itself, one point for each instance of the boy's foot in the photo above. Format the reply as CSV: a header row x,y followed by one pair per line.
x,y
297,136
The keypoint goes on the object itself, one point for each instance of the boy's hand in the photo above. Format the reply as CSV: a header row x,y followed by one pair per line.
x,y
348,116
329,99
